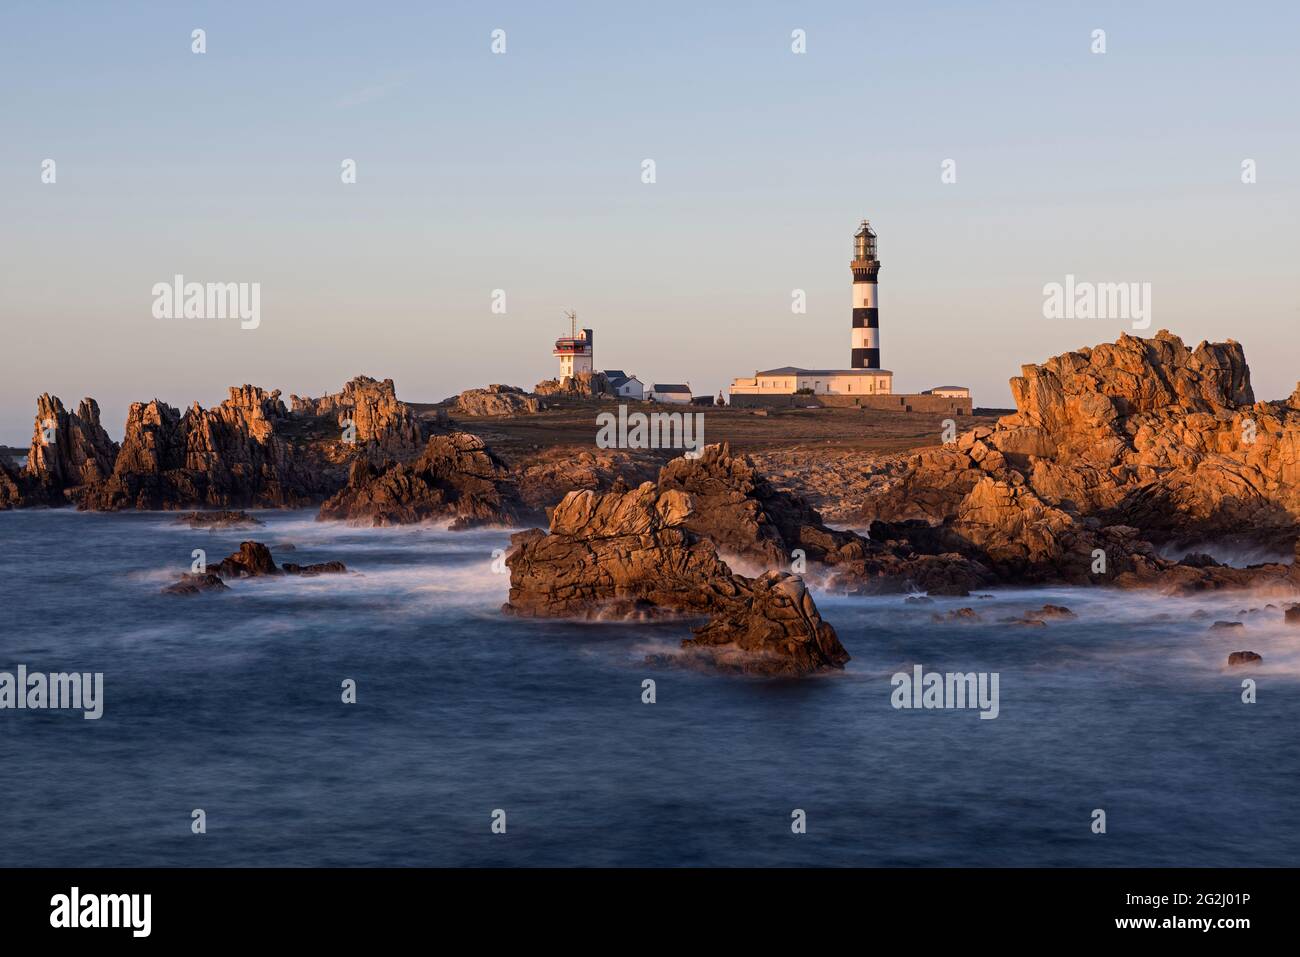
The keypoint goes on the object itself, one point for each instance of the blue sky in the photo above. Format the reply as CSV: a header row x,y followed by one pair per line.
x,y
522,172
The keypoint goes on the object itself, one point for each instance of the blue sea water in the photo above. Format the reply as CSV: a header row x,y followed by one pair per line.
x,y
230,702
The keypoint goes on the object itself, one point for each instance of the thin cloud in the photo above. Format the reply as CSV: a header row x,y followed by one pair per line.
x,y
370,93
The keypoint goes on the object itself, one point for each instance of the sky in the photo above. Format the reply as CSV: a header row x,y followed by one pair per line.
x,y
522,171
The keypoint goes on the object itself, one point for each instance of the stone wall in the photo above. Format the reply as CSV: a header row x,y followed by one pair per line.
x,y
884,403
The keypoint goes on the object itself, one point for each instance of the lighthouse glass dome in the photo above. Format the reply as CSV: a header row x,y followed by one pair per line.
x,y
864,242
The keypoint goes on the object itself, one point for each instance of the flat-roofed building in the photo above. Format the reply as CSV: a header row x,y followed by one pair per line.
x,y
791,379
949,391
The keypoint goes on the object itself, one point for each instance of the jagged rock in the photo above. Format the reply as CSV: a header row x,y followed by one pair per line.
x,y
630,554
496,400
381,425
195,583
228,455
219,520
1226,626
456,477
11,493
1243,658
545,478
252,560
1112,449
775,631
626,547
742,513
1292,614
68,449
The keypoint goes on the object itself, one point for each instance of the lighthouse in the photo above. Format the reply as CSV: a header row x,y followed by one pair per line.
x,y
866,314
575,351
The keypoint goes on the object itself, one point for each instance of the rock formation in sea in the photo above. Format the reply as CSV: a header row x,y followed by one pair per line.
x,y
747,517
68,449
253,560
631,554
233,454
456,477
247,451
1112,452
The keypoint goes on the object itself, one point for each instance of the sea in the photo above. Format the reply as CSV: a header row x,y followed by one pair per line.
x,y
480,739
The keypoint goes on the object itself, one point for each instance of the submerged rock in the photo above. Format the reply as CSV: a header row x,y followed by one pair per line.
x,y
957,614
194,584
320,568
1244,658
218,520
1051,611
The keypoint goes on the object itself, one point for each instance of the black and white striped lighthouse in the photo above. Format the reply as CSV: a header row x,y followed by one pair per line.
x,y
866,314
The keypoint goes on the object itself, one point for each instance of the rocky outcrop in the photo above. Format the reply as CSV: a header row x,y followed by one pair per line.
x,y
582,385
456,477
251,561
775,631
11,493
1112,449
68,449
749,519
630,554
496,400
543,479
1239,658
370,418
233,454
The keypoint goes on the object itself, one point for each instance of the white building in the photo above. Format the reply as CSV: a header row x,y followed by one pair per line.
x,y
949,391
791,379
625,386
675,392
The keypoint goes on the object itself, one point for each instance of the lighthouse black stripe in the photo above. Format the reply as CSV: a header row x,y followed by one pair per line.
x,y
866,359
866,318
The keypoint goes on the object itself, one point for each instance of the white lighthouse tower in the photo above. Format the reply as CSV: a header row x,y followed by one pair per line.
x,y
576,352
866,314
